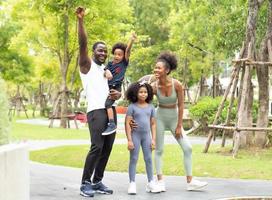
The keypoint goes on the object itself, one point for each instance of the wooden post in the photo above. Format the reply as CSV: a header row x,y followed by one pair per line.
x,y
211,132
230,106
235,71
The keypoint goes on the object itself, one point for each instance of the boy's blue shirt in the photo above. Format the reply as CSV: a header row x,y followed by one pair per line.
x,y
118,71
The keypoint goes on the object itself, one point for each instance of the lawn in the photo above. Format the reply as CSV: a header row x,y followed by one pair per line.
x,y
38,132
217,163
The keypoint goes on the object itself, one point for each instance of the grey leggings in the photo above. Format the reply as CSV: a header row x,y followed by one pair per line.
x,y
167,120
141,139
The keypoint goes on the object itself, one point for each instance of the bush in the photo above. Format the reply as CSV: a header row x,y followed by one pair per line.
x,y
205,110
4,122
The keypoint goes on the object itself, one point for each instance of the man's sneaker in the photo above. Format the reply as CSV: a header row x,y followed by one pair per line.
x,y
196,185
161,185
152,187
132,188
101,188
86,189
110,129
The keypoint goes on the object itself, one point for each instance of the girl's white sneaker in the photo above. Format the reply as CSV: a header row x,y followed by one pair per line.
x,y
152,187
161,184
132,188
196,185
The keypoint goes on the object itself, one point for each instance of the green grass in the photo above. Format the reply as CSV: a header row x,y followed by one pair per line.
x,y
218,162
37,132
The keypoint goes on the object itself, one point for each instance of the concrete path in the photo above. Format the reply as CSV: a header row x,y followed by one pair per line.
x,y
62,183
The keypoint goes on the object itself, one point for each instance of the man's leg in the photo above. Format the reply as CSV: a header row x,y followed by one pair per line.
x,y
97,121
103,160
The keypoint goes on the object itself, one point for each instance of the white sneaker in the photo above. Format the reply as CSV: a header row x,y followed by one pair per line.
x,y
161,184
132,188
196,185
152,187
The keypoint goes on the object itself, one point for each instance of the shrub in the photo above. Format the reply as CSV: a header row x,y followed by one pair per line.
x,y
4,122
205,110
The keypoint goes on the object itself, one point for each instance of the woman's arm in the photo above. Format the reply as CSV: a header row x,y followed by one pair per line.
x,y
153,132
180,94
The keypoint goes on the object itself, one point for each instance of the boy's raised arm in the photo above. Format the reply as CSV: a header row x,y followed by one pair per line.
x,y
84,60
133,37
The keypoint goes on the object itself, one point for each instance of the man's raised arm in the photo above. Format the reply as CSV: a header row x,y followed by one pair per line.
x,y
84,60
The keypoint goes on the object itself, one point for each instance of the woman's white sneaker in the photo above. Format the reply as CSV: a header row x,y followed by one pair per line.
x,y
132,188
161,184
152,187
196,185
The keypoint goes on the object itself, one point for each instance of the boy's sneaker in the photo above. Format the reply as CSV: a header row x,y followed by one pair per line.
x,y
161,185
196,185
86,189
152,187
132,188
110,129
101,188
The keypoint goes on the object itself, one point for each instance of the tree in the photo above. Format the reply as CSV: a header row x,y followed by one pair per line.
x,y
51,25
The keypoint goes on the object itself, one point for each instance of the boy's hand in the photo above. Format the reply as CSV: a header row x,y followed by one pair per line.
x,y
114,94
80,12
130,145
153,145
108,74
133,36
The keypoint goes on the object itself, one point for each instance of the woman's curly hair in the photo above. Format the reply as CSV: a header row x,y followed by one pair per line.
x,y
169,59
133,89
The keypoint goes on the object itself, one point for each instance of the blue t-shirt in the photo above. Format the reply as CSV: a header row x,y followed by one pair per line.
x,y
118,71
142,116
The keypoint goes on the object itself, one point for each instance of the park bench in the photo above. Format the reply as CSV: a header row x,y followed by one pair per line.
x,y
70,116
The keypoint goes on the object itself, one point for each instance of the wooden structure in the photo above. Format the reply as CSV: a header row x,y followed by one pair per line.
x,y
238,64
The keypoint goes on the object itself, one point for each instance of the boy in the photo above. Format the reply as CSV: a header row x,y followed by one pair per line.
x,y
115,72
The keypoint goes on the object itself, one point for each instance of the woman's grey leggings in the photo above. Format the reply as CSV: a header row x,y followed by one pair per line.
x,y
167,120
141,139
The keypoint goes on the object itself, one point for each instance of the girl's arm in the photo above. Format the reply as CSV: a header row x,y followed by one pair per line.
x,y
129,45
180,94
153,132
128,132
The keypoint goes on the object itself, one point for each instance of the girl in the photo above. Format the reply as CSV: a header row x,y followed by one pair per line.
x,y
140,95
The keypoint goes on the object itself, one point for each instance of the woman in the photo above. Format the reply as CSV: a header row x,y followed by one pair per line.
x,y
170,96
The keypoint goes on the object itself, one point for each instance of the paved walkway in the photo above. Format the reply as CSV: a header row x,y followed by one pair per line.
x,y
62,183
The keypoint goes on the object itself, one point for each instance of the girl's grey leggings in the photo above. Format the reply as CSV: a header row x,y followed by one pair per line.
x,y
167,120
141,139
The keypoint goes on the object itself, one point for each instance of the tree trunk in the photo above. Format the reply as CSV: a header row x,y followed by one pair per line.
x,y
263,81
64,68
244,138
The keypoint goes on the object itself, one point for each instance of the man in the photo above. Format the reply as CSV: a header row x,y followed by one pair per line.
x,y
96,87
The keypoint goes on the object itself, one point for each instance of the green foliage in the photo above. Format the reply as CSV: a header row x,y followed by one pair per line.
x,y
4,122
142,62
152,19
205,109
